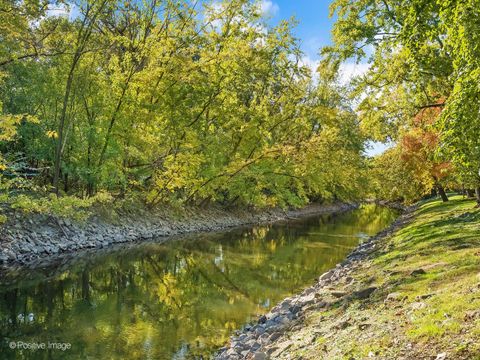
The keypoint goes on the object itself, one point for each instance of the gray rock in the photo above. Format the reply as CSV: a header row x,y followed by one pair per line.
x,y
242,337
270,323
295,309
395,296
274,336
418,305
252,344
418,272
231,352
282,319
326,276
259,356
307,300
338,293
309,291
239,346
245,353
272,350
264,338
284,305
259,330
365,293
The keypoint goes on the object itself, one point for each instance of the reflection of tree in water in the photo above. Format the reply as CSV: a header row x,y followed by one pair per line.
x,y
184,298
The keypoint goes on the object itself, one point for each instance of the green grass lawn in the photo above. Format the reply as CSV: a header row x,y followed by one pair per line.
x,y
433,312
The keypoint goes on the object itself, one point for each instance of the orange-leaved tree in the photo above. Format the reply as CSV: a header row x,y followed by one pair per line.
x,y
419,144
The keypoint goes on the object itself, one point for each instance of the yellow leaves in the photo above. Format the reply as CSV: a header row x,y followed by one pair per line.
x,y
180,172
187,112
168,291
66,206
8,127
230,325
9,123
52,134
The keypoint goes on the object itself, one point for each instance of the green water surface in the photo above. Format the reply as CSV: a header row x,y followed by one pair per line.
x,y
177,300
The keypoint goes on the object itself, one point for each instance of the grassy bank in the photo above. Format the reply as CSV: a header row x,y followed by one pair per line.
x,y
427,301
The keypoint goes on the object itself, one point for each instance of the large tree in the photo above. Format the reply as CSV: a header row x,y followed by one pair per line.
x,y
422,55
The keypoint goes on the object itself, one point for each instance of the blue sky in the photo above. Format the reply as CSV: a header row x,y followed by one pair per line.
x,y
314,31
315,24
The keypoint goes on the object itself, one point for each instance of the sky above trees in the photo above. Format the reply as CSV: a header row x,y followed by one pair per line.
x,y
314,30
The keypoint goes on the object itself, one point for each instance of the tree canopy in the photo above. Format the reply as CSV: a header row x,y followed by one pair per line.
x,y
423,63
170,101
204,102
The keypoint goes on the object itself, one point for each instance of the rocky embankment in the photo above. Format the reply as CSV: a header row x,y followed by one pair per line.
x,y
25,239
267,339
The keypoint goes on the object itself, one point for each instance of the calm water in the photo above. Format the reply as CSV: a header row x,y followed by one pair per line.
x,y
173,301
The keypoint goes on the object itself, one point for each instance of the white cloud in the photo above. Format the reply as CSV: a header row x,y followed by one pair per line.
x,y
310,63
349,71
269,8
312,45
59,10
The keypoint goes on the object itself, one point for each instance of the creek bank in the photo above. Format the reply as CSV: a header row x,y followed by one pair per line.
x,y
266,338
25,239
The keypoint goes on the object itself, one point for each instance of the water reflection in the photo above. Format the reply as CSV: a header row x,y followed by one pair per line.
x,y
178,300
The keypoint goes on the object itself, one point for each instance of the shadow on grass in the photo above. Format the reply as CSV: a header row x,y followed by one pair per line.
x,y
449,230
435,206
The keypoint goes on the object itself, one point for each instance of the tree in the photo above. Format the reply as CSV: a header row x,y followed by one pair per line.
x,y
419,145
170,102
422,55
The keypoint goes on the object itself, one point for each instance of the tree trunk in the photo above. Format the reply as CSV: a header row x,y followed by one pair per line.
x,y
61,126
88,22
442,193
477,195
470,193
65,183
86,285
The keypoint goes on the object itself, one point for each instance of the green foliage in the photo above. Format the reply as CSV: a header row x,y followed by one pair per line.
x,y
392,179
70,207
177,103
424,55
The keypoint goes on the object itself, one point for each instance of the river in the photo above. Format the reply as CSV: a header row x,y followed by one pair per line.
x,y
176,300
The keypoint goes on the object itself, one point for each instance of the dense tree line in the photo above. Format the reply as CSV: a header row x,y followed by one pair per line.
x,y
421,91
204,102
167,101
